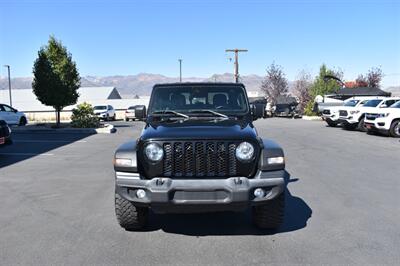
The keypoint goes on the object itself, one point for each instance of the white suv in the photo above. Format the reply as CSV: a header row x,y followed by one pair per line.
x,y
331,114
12,116
386,121
105,112
353,117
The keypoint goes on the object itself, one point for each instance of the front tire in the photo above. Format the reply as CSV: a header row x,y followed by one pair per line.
x,y
331,123
270,215
361,126
395,129
22,121
129,216
350,126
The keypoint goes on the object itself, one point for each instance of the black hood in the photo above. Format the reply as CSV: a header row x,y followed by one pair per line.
x,y
208,129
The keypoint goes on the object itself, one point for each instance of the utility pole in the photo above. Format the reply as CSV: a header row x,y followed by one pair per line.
x,y
180,70
236,51
9,83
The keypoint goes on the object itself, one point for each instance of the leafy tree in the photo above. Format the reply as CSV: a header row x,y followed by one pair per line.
x,y
302,89
56,78
322,86
275,83
83,116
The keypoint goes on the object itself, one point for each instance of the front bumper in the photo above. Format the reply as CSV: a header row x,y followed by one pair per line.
x,y
130,115
101,115
200,195
379,125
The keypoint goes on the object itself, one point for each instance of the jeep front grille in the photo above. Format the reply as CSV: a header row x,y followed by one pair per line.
x,y
342,113
199,159
326,112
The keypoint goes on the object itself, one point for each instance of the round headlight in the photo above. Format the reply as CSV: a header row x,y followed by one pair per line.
x,y
245,151
154,152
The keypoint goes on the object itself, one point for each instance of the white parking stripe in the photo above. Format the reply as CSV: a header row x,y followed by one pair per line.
x,y
26,154
48,141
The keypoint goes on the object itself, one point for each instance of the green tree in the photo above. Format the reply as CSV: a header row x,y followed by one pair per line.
x,y
56,78
322,86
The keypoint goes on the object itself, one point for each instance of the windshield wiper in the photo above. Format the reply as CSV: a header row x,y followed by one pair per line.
x,y
166,112
209,111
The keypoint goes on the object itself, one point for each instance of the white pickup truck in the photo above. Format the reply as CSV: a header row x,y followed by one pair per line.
x,y
353,117
385,121
331,114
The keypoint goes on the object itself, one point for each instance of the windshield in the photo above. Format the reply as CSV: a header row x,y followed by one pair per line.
x,y
102,107
189,99
372,103
396,105
351,103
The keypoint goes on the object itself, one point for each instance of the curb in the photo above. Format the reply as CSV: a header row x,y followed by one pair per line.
x,y
107,129
312,118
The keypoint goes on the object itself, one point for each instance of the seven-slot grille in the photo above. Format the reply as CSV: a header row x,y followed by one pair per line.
x,y
326,112
342,113
199,159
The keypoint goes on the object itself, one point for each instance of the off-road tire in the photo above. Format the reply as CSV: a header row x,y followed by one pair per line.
x,y
331,123
126,119
395,129
22,121
361,126
270,215
114,117
129,216
350,126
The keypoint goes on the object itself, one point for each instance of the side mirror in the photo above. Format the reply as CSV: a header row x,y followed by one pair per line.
x,y
257,110
140,112
384,106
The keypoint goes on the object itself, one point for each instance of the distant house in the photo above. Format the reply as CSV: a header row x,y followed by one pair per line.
x,y
98,93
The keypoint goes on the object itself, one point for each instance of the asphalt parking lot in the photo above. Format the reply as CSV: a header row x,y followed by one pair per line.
x,y
343,206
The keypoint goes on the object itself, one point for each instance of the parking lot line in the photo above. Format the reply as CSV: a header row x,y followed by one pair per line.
x,y
48,141
25,154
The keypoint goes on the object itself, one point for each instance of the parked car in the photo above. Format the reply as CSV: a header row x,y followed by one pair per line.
x,y
5,133
353,117
12,116
130,113
286,106
385,121
331,114
199,152
104,112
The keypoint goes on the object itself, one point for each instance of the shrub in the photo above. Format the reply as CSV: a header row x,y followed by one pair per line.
x,y
83,116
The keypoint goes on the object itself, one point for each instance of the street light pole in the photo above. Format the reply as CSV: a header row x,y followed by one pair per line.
x,y
9,82
236,51
180,70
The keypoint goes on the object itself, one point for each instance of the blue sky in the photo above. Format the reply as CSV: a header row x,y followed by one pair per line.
x,y
130,37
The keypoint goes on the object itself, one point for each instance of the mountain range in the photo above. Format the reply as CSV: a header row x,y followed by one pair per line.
x,y
141,84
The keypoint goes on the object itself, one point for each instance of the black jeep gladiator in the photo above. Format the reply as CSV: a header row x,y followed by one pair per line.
x,y
199,152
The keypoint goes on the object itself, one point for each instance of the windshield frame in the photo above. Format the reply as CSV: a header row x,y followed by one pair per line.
x,y
204,86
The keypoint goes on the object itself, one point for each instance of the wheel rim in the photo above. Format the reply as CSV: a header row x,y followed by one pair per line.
x,y
397,129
